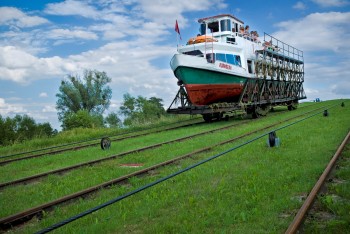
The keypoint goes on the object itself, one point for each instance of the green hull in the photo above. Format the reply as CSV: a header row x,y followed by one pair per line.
x,y
189,75
205,87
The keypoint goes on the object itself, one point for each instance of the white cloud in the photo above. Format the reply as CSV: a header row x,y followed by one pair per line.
x,y
10,109
331,3
70,34
342,88
299,6
128,65
49,109
321,36
317,31
167,11
29,67
15,17
32,42
71,7
43,95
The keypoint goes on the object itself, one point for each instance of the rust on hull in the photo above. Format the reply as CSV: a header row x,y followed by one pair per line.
x,y
205,94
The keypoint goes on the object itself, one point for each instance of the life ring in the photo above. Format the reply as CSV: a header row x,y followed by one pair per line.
x,y
201,39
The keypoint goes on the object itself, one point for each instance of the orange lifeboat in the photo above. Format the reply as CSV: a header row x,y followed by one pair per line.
x,y
200,39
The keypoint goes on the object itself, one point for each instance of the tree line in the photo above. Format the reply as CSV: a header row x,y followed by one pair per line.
x,y
20,128
81,102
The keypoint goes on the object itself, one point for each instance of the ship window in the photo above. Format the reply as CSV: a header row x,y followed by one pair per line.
x,y
194,53
203,29
238,60
250,68
214,26
228,58
225,25
211,58
221,57
231,59
231,40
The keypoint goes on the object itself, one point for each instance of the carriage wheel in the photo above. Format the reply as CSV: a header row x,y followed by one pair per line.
x,y
105,143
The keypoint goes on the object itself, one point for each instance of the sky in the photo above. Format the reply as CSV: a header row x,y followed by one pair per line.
x,y
42,42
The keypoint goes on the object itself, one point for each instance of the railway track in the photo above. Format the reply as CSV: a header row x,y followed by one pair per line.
x,y
300,216
27,214
15,158
36,177
69,168
74,148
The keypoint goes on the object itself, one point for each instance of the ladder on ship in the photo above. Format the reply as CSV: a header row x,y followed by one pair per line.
x,y
209,46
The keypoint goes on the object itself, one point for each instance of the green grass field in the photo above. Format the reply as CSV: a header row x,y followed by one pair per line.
x,y
254,189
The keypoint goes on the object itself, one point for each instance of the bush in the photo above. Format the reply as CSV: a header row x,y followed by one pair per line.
x,y
82,119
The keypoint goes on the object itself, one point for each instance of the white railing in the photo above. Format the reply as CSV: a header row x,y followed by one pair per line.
x,y
275,45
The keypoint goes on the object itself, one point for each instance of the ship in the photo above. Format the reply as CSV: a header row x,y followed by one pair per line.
x,y
229,66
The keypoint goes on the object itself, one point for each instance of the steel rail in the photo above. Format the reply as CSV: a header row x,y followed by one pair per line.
x,y
142,188
69,168
92,139
24,215
91,144
298,219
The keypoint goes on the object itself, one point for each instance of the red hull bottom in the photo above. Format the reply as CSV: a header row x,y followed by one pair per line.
x,y
205,94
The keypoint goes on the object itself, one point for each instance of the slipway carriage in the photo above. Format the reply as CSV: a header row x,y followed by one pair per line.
x,y
229,70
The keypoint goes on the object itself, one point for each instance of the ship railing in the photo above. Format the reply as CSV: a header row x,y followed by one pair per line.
x,y
274,45
248,37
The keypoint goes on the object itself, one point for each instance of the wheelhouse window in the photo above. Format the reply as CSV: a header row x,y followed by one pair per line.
x,y
225,25
235,29
214,26
231,40
203,29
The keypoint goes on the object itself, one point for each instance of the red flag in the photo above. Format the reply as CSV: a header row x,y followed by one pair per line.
x,y
177,29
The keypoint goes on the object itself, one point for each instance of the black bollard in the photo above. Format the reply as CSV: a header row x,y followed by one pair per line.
x,y
272,139
325,113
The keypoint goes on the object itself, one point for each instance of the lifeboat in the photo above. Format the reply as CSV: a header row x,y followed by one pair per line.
x,y
201,39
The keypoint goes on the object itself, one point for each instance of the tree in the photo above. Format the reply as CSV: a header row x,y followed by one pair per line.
x,y
141,110
20,128
112,120
90,94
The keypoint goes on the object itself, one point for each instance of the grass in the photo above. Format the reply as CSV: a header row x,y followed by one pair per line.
x,y
331,210
82,135
251,190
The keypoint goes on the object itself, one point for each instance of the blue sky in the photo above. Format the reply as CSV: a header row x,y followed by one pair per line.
x,y
41,42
